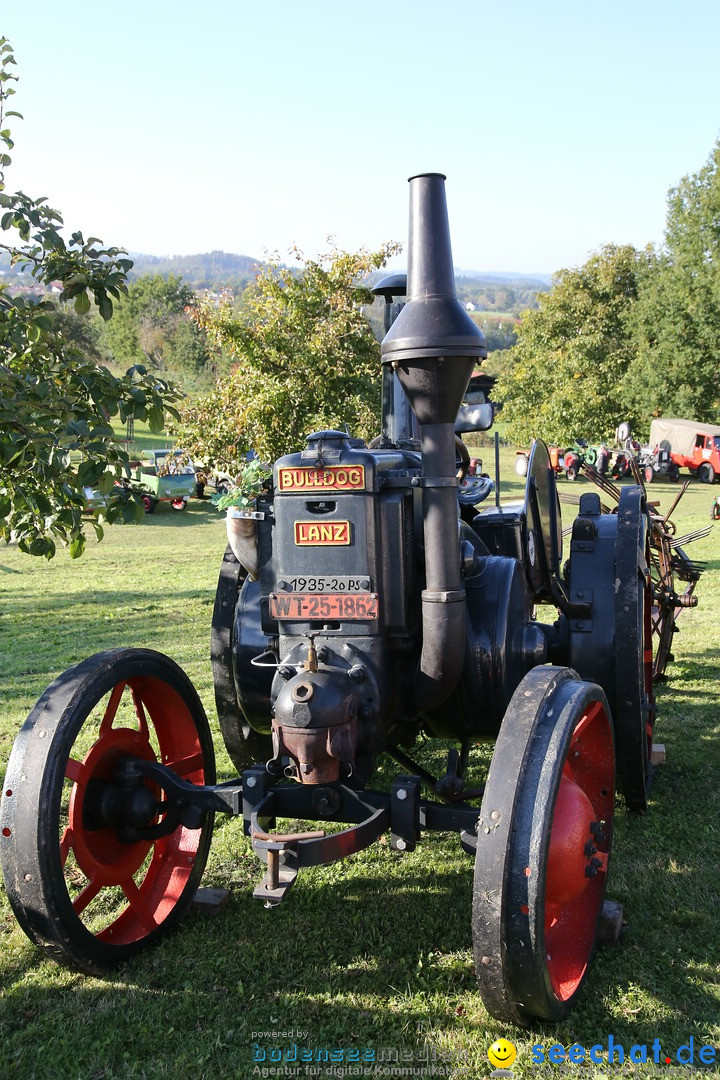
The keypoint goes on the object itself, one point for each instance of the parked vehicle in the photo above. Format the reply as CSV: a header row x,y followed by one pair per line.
x,y
168,476
692,445
522,457
657,460
94,499
570,460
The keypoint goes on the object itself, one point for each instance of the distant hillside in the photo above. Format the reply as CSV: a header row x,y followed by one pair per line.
x,y
517,281
507,294
504,295
210,270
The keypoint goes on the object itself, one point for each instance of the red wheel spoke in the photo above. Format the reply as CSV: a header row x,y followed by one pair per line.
x,y
75,771
187,765
66,842
139,711
138,904
586,720
112,708
88,894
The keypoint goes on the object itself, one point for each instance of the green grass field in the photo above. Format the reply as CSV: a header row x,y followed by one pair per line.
x,y
374,952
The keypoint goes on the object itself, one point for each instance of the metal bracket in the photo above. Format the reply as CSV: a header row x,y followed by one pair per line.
x,y
254,785
405,813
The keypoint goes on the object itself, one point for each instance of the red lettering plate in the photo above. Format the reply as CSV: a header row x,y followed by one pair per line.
x,y
342,607
322,533
330,477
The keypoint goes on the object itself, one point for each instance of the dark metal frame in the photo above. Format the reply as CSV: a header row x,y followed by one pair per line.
x,y
260,801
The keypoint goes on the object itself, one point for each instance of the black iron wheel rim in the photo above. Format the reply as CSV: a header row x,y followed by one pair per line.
x,y
522,913
634,696
93,899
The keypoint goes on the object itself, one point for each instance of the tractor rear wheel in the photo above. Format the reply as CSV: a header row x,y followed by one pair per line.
x,y
612,644
544,837
634,704
244,744
79,879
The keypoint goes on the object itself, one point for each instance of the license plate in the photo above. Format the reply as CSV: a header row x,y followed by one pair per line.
x,y
341,607
317,584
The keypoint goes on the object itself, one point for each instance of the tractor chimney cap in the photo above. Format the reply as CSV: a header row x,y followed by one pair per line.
x,y
433,323
417,175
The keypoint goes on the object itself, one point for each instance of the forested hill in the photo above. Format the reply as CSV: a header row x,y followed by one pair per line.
x,y
491,293
221,269
210,270
506,293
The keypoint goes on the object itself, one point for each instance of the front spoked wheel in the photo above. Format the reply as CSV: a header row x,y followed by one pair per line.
x,y
544,836
84,870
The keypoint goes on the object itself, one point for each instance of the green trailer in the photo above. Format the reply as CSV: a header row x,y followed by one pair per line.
x,y
167,476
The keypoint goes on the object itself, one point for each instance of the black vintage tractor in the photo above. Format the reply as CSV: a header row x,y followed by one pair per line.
x,y
385,610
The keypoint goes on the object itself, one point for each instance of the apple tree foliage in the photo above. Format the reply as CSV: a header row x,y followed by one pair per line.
x,y
56,402
677,318
566,379
152,325
305,358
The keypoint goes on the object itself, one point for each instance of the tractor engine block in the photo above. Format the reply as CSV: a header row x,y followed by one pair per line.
x,y
340,587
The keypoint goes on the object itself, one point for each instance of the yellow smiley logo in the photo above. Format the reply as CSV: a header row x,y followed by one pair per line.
x,y
502,1053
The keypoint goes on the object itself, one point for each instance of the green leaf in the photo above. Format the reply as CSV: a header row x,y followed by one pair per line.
x,y
77,546
132,512
41,545
155,419
89,473
105,305
106,483
82,303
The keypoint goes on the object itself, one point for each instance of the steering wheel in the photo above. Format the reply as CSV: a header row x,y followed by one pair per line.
x,y
462,458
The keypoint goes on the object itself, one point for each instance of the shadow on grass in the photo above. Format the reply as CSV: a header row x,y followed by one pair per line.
x,y
377,951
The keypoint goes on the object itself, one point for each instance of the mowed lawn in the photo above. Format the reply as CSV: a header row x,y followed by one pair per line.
x,y
374,952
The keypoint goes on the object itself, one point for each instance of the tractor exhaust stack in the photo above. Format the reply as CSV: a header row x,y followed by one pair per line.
x,y
434,346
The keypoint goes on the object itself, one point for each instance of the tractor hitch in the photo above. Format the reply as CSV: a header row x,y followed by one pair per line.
x,y
368,813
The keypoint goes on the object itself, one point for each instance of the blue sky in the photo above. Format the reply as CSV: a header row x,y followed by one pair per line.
x,y
171,127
